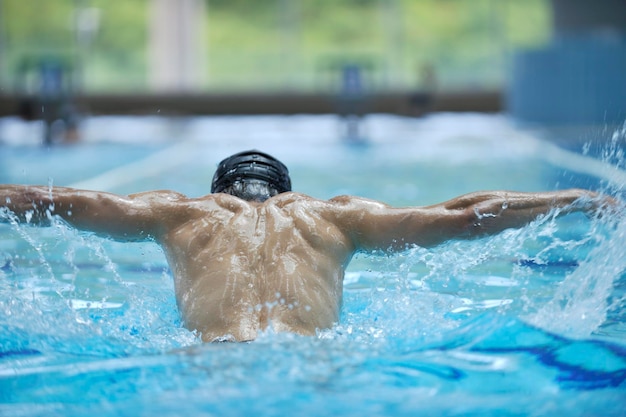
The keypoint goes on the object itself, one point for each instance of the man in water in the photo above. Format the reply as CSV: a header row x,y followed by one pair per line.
x,y
254,254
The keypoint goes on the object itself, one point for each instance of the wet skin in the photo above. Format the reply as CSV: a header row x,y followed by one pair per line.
x,y
240,267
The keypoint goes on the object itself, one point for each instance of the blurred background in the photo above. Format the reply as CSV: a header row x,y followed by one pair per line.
x,y
549,62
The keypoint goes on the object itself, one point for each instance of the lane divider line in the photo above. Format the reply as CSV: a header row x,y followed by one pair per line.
x,y
150,166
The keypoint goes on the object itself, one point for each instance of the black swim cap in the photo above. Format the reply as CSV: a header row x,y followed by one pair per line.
x,y
251,165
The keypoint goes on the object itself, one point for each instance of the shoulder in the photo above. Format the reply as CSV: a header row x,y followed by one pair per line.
x,y
159,195
171,204
299,198
290,198
297,201
339,210
348,201
167,198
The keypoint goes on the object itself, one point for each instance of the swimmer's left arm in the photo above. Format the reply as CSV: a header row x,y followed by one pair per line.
x,y
127,218
374,225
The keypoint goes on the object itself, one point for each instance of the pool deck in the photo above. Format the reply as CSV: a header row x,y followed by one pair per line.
x,y
408,103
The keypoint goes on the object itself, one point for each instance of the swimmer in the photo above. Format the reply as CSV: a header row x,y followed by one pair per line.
x,y
254,254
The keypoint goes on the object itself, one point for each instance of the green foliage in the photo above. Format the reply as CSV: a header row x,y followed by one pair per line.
x,y
289,44
40,30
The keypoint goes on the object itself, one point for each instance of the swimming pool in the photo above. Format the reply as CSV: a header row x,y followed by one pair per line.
x,y
528,322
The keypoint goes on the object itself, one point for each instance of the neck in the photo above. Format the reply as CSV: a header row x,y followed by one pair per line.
x,y
253,190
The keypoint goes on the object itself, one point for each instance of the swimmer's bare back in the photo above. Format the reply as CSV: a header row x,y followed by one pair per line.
x,y
240,267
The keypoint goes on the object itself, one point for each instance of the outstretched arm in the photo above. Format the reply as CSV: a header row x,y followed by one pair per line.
x,y
373,225
136,217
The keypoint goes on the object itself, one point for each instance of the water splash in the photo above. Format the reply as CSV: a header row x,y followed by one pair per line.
x,y
611,153
581,302
430,332
557,273
62,288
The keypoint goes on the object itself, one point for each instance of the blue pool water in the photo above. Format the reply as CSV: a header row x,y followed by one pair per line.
x,y
528,322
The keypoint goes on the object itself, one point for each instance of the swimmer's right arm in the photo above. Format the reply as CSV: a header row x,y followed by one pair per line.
x,y
127,218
